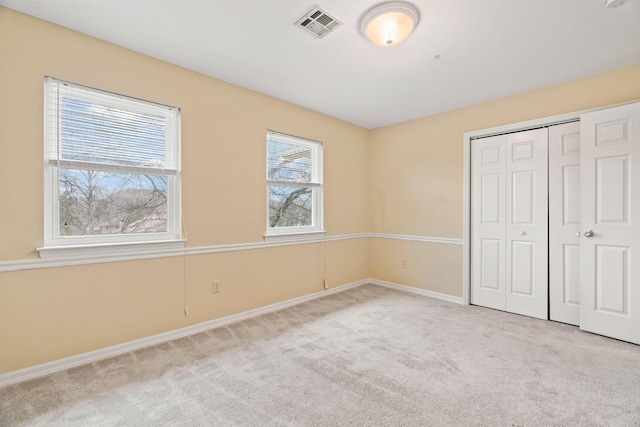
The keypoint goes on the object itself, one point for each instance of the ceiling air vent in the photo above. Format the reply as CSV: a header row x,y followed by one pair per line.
x,y
319,22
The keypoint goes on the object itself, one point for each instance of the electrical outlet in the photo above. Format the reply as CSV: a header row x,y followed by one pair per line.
x,y
215,287
405,263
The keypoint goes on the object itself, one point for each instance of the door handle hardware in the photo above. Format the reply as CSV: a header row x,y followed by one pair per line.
x,y
588,233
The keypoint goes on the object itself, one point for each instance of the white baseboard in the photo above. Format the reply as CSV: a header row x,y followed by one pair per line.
x,y
417,291
31,372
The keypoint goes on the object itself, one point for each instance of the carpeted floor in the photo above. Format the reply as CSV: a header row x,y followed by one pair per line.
x,y
369,356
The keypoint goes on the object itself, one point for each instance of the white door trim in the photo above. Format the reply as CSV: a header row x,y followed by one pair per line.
x,y
466,194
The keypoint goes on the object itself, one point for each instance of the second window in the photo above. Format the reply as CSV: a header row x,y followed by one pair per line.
x,y
294,185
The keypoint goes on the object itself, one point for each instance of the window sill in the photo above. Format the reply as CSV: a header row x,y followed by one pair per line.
x,y
307,235
111,250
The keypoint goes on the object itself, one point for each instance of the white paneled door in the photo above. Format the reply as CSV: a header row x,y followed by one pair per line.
x,y
610,222
509,243
564,223
488,233
527,223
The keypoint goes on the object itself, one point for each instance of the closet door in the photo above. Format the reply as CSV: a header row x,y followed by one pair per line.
x,y
509,223
488,222
527,223
610,222
564,223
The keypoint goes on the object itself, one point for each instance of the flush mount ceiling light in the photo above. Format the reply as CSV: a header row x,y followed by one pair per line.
x,y
389,23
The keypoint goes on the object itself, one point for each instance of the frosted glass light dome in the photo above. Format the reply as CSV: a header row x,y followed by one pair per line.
x,y
388,24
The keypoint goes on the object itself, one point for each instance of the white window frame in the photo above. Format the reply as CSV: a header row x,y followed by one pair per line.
x,y
316,229
58,246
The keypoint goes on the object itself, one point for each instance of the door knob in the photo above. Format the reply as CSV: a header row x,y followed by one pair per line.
x,y
588,233
523,233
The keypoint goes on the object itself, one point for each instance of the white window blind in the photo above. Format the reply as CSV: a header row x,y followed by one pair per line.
x,y
93,128
112,167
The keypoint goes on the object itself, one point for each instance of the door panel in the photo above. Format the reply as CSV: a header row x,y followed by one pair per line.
x,y
571,195
490,264
490,198
610,209
523,197
568,135
522,151
612,132
527,223
488,219
612,272
564,223
522,276
571,278
612,191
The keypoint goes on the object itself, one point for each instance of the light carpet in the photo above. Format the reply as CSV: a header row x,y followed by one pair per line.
x,y
369,356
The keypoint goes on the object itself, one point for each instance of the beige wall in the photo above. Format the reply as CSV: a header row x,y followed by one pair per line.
x,y
47,314
416,173
403,179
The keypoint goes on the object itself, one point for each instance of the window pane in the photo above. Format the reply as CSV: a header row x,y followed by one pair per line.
x,y
95,202
290,206
288,162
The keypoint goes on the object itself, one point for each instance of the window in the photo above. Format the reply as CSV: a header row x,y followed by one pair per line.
x,y
294,185
112,168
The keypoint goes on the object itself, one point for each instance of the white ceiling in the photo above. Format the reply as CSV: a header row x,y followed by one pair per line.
x,y
487,48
